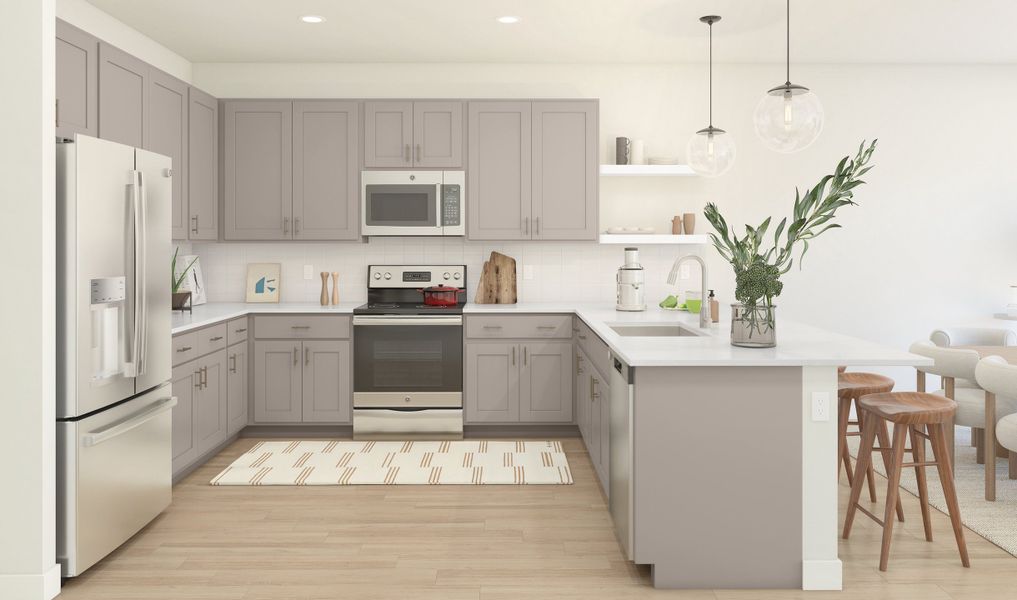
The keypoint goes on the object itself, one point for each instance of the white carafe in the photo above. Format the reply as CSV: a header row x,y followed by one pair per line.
x,y
631,296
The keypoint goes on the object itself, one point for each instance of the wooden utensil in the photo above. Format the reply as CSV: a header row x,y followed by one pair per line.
x,y
324,288
335,288
497,281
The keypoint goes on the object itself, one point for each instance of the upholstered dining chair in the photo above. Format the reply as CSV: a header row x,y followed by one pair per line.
x,y
973,336
998,377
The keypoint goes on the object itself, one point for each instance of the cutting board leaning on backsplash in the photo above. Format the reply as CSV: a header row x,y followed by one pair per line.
x,y
497,281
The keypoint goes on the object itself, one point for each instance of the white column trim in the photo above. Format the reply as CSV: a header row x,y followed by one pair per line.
x,y
821,567
45,585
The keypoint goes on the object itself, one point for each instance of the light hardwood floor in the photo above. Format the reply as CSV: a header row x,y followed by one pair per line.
x,y
464,542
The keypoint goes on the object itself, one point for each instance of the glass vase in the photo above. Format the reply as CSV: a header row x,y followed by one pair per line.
x,y
753,326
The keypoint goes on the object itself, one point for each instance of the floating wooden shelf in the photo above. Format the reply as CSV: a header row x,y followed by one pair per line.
x,y
646,171
646,239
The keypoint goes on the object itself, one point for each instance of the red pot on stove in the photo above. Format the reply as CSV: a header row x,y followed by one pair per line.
x,y
441,295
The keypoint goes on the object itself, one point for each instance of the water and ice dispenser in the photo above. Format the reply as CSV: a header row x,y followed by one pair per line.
x,y
109,308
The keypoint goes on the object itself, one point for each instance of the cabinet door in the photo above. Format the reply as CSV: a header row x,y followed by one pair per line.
x,y
167,135
582,394
565,170
492,383
123,97
185,382
438,134
545,382
277,383
326,385
202,211
258,184
326,196
596,426
499,186
236,388
602,401
388,134
210,424
77,81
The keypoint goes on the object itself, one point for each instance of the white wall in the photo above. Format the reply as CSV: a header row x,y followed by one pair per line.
x,y
28,569
84,16
931,243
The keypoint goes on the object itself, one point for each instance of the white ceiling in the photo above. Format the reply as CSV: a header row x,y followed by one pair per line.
x,y
576,31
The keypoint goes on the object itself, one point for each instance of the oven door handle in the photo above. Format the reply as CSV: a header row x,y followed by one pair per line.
x,y
382,320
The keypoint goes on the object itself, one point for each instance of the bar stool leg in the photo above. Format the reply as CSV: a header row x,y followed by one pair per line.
x,y
918,445
843,415
892,491
870,473
941,452
864,459
884,442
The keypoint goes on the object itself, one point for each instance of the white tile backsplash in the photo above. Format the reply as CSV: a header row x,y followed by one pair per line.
x,y
581,271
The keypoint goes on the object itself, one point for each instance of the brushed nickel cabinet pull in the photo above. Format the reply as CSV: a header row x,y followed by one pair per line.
x,y
582,337
300,326
526,226
194,228
513,356
215,339
56,116
233,363
184,348
546,327
525,355
492,326
307,355
296,225
240,330
407,152
296,356
286,225
197,384
418,152
536,226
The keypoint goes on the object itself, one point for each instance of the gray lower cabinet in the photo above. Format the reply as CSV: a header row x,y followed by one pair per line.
x,y
492,383
201,212
326,192
123,97
168,135
545,382
499,184
277,382
565,170
302,381
593,414
258,170
326,381
77,81
236,388
210,425
185,382
520,382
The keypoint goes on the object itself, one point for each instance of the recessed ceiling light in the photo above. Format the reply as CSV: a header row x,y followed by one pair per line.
x,y
312,19
508,20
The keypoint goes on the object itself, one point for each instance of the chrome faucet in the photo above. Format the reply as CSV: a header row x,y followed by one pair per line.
x,y
704,309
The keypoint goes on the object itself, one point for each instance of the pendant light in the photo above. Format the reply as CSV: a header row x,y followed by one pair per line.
x,y
789,117
711,150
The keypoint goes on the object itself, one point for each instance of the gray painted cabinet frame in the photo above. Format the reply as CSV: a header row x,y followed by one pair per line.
x,y
77,81
123,97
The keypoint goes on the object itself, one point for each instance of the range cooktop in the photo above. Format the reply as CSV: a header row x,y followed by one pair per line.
x,y
396,289
406,308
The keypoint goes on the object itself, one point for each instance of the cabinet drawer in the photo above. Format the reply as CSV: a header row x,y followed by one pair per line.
x,y
185,347
236,330
594,347
302,326
529,326
211,339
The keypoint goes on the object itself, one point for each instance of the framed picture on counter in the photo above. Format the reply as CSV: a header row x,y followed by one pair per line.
x,y
263,282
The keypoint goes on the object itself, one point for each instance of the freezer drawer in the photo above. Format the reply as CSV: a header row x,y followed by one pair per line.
x,y
113,477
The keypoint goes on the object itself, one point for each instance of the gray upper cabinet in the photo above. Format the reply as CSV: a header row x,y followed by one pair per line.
x,y
499,182
492,383
438,134
388,134
167,135
201,211
258,172
123,97
236,387
77,81
326,381
565,170
546,383
277,382
325,171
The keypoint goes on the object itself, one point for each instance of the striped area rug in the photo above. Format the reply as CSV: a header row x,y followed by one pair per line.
x,y
466,462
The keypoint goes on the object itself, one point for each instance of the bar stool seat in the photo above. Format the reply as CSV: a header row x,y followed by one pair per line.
x,y
909,408
854,385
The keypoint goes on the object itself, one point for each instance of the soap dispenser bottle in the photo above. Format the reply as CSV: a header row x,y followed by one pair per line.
x,y
714,308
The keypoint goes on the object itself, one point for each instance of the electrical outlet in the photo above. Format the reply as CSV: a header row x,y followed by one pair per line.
x,y
308,271
820,406
686,271
527,272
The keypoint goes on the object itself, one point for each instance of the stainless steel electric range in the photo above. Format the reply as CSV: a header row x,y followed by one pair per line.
x,y
407,355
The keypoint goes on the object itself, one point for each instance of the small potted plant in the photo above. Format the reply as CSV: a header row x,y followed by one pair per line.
x,y
758,271
180,300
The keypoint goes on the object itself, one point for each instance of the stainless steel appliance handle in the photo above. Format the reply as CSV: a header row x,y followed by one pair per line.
x,y
386,320
113,430
142,266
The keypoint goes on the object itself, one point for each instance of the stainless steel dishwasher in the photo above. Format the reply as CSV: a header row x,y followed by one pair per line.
x,y
621,471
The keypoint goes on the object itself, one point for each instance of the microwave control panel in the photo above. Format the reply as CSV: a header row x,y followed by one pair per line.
x,y
451,195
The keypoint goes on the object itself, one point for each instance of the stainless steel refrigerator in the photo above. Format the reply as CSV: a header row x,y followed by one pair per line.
x,y
113,346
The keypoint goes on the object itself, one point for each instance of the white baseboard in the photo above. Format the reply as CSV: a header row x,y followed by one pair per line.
x,y
822,575
44,586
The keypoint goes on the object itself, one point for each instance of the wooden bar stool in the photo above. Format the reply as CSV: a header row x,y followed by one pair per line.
x,y
914,413
851,387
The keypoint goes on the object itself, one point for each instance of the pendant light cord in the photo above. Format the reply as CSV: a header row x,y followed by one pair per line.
x,y
711,73
788,54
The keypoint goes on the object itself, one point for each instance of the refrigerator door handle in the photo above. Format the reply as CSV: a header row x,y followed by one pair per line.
x,y
94,438
141,264
137,340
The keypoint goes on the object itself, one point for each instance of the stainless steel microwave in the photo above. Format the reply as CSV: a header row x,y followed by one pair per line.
x,y
413,203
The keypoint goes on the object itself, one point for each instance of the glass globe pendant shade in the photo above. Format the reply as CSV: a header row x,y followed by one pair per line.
x,y
788,118
710,152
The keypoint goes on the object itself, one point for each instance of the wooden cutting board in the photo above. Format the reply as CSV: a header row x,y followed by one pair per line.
x,y
497,281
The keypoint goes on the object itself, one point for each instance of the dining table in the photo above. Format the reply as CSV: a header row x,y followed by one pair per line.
x,y
1009,354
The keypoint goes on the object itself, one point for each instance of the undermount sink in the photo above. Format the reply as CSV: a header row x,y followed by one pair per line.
x,y
653,330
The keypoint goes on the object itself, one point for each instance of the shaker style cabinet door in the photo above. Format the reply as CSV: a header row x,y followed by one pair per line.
x,y
202,211
210,408
77,81
545,383
277,382
123,97
438,134
565,171
582,395
326,193
236,388
185,382
499,185
492,383
258,177
326,382
388,134
167,135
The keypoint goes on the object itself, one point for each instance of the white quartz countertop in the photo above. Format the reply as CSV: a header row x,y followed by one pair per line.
x,y
797,344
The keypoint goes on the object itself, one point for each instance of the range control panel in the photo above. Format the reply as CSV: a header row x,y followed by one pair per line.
x,y
415,276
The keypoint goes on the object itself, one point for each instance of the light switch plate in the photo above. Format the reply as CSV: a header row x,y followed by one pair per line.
x,y
308,271
820,406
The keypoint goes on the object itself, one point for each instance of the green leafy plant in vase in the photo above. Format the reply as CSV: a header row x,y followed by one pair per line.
x,y
758,271
180,300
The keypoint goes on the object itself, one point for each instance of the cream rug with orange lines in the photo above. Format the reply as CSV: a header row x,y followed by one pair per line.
x,y
466,462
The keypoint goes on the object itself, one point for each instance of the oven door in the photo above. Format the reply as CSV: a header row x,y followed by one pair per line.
x,y
401,203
